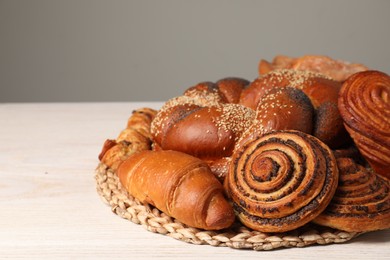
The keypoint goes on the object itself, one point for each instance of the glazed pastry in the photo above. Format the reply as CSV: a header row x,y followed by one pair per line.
x,y
361,202
317,87
280,109
178,184
134,138
231,88
225,90
322,92
281,181
204,132
336,69
364,105
201,123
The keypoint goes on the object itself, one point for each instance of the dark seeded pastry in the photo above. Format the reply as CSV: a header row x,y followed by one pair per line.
x,y
361,202
281,181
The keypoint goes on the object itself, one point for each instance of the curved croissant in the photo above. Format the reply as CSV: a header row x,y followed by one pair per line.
x,y
281,181
361,202
178,184
364,105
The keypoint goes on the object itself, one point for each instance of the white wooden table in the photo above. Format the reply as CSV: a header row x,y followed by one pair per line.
x,y
49,207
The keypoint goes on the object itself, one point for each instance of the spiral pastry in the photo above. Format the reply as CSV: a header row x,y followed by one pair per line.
x,y
364,104
281,181
361,202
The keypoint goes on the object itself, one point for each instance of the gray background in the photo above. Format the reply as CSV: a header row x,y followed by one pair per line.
x,y
61,51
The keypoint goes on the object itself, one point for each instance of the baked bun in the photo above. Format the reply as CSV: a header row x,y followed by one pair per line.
x,y
225,90
322,92
203,123
336,69
364,105
280,109
361,202
204,132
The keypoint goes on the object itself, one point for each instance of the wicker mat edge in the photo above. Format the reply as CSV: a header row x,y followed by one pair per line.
x,y
237,237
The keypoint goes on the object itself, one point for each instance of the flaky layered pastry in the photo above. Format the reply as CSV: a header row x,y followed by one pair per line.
x,y
364,105
361,202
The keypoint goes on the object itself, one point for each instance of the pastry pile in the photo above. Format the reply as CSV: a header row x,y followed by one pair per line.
x,y
307,141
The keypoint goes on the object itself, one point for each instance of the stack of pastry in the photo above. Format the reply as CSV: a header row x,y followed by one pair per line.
x,y
306,141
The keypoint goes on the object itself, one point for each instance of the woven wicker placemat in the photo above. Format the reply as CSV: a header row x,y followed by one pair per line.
x,y
238,236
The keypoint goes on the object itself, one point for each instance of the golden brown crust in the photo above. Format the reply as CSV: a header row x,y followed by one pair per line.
x,y
317,87
361,202
280,109
336,69
281,181
322,92
178,184
208,132
364,105
134,138
231,88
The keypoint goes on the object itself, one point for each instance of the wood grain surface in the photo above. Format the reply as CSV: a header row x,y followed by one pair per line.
x,y
50,208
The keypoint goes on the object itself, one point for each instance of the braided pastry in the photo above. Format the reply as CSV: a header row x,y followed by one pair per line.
x,y
280,109
361,202
364,105
134,138
203,123
281,181
322,92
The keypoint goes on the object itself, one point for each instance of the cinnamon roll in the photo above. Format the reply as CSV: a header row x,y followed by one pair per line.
x,y
364,104
281,181
361,202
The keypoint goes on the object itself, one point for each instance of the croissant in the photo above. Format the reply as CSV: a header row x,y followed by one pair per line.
x,y
322,92
361,202
336,69
178,184
364,105
281,181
